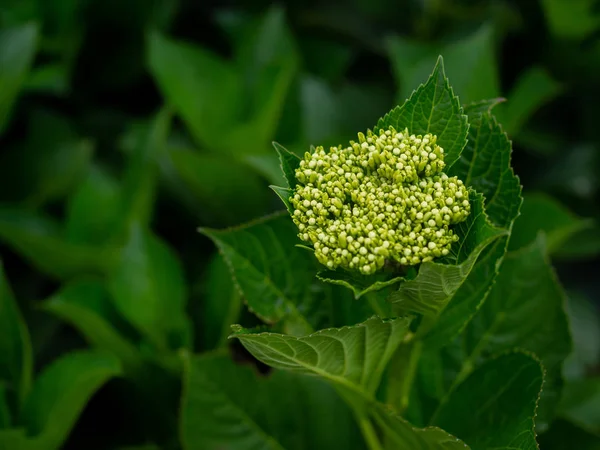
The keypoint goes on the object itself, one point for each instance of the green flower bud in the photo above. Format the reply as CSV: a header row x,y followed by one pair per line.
x,y
382,198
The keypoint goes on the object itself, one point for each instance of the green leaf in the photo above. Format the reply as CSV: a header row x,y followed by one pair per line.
x,y
229,406
542,212
226,192
203,89
61,392
222,303
93,209
401,434
284,195
273,275
496,405
38,240
85,305
580,404
485,166
18,46
470,63
534,88
16,363
353,358
289,163
148,288
433,108
526,309
436,283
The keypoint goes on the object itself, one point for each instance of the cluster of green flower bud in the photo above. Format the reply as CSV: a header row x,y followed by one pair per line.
x,y
382,198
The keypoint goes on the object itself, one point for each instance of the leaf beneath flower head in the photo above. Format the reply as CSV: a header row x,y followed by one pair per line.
x,y
289,163
436,282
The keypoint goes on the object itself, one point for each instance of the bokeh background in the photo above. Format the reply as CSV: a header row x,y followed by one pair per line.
x,y
161,113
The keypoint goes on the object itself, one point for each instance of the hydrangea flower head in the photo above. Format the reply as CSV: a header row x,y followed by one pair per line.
x,y
382,198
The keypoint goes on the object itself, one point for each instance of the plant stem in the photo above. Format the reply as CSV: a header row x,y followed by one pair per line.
x,y
368,432
409,376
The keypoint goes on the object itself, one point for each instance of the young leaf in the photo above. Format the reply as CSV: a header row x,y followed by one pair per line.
x,y
16,363
203,89
289,163
222,303
436,283
61,392
359,284
496,405
38,240
526,309
432,108
227,405
17,50
353,357
149,289
542,212
86,306
284,195
273,276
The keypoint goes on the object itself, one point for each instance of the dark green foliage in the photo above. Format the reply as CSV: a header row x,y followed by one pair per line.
x,y
127,127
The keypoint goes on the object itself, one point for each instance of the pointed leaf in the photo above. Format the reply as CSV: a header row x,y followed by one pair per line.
x,y
284,194
433,108
61,392
273,276
485,165
289,163
17,50
232,406
526,309
16,363
352,357
436,283
149,289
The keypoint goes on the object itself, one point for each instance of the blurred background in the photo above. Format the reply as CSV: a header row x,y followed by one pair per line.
x,y
161,113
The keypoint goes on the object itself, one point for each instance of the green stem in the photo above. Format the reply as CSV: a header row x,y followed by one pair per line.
x,y
368,432
402,373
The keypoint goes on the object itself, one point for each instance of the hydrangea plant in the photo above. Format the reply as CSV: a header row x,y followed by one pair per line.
x,y
388,277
